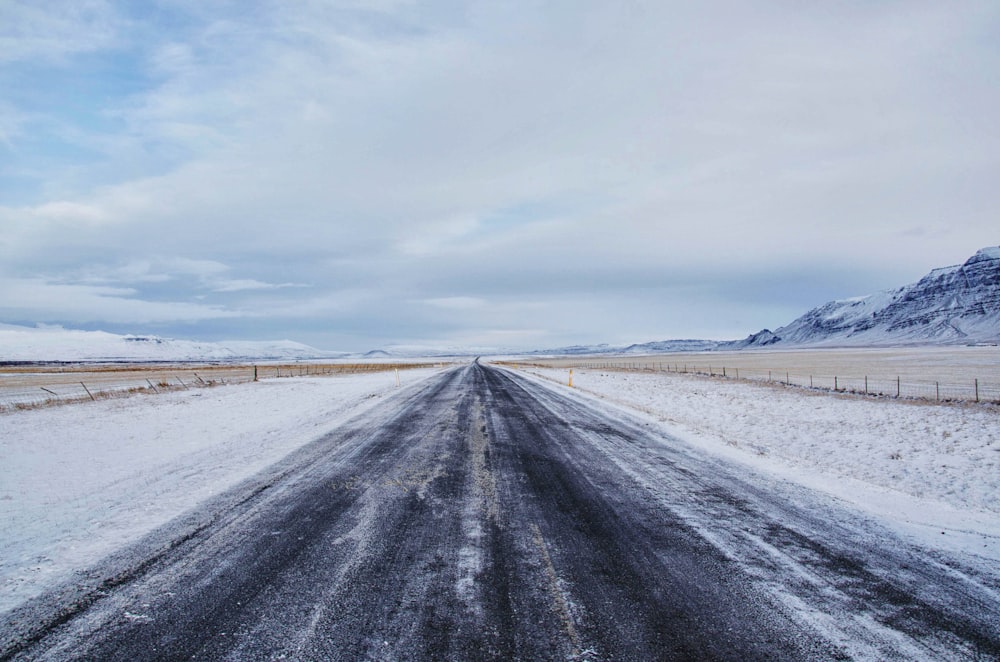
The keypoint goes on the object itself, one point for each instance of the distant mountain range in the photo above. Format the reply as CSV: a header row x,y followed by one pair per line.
x,y
951,305
47,343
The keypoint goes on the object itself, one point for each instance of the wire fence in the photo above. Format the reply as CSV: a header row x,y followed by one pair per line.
x,y
31,387
970,390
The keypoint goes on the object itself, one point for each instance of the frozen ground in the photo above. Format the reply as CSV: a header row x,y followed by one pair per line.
x,y
932,470
78,481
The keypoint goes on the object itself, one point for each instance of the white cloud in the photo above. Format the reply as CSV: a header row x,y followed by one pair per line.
x,y
457,303
57,29
38,300
244,284
63,211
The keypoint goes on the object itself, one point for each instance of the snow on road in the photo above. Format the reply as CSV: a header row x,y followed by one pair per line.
x,y
78,481
928,468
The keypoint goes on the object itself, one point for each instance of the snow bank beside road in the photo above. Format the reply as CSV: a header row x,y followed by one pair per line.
x,y
912,456
78,481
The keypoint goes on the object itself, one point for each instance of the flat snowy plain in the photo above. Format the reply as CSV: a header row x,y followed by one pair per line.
x,y
79,481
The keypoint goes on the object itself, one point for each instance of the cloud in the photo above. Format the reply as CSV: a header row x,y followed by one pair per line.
x,y
244,284
29,31
445,170
37,300
68,212
457,303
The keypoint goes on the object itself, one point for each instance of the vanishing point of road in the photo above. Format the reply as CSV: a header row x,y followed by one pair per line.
x,y
483,515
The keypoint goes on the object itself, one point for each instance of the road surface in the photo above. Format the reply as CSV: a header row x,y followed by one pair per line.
x,y
485,515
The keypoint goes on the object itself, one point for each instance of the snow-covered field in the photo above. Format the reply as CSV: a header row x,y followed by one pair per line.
x,y
78,481
924,372
929,469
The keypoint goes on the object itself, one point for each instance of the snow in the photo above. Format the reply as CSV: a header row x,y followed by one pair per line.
x,y
54,343
79,481
924,468
988,253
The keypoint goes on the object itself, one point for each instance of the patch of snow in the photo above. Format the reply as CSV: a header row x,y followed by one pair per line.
x,y
988,253
54,343
79,481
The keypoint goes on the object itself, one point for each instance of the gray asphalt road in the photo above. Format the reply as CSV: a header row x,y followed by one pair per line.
x,y
483,515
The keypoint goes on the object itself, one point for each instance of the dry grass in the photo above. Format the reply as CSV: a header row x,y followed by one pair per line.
x,y
945,373
32,386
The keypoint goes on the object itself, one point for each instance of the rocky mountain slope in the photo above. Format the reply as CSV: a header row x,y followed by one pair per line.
x,y
951,305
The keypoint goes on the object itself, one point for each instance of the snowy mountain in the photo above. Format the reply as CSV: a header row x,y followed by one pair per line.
x,y
951,305
658,346
21,343
673,346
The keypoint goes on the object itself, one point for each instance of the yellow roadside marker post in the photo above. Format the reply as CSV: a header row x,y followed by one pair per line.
x,y
571,377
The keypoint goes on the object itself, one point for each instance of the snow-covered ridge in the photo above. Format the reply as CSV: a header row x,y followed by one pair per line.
x,y
21,343
950,305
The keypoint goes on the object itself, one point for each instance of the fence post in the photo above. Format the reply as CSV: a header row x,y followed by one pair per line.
x,y
897,386
977,389
835,386
88,391
866,384
937,389
151,386
787,380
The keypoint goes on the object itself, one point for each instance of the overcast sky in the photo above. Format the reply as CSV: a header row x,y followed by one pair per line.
x,y
522,174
